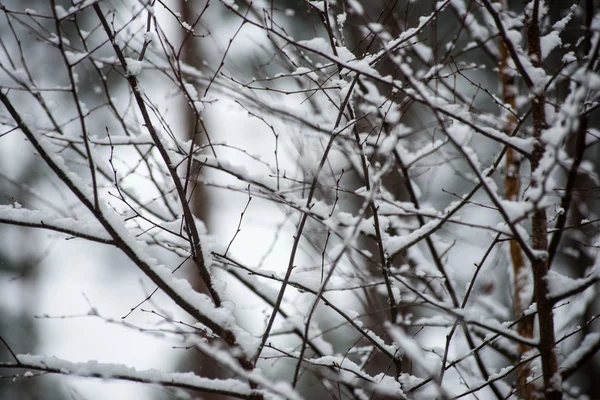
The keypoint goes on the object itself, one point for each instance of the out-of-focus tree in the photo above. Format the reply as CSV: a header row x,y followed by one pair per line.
x,y
425,171
192,50
21,250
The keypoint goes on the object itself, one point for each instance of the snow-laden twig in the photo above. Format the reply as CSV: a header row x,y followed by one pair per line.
x,y
94,369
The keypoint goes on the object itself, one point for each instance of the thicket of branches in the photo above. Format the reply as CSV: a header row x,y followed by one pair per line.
x,y
432,167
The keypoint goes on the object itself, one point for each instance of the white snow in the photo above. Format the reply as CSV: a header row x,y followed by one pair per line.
x,y
134,67
95,369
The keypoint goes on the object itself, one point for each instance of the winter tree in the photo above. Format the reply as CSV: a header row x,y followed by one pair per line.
x,y
309,199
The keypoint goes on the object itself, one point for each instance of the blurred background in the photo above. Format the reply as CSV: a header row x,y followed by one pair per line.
x,y
49,285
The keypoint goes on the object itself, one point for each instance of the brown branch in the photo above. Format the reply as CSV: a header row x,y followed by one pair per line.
x,y
187,212
512,186
508,43
580,146
227,335
539,224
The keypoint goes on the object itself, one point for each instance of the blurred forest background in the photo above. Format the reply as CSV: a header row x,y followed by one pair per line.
x,y
48,284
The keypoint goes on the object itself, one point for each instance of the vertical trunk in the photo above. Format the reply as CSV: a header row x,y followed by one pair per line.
x,y
512,186
192,54
539,226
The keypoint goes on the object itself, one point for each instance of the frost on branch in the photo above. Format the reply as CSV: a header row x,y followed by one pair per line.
x,y
329,199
